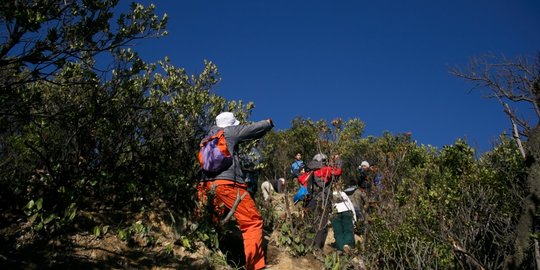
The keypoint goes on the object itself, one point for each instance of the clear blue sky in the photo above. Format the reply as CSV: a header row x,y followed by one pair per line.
x,y
384,62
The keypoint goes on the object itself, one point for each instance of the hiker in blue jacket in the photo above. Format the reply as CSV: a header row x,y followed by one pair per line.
x,y
297,165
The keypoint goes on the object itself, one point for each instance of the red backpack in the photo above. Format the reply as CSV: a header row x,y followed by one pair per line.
x,y
214,156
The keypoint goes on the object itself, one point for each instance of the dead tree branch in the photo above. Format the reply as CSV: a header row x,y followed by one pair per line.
x,y
233,208
471,257
515,130
514,81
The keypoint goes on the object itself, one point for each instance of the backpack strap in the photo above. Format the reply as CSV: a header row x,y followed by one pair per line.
x,y
209,138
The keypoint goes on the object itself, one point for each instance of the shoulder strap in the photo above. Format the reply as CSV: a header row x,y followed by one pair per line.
x,y
209,138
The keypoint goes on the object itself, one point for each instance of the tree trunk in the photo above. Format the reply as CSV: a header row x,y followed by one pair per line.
x,y
527,221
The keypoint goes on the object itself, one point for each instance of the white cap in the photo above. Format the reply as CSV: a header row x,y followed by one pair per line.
x,y
226,119
364,163
319,157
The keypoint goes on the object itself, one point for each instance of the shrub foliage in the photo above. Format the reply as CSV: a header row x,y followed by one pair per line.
x,y
78,132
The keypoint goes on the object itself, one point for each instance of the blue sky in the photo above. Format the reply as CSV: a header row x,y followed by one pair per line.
x,y
384,62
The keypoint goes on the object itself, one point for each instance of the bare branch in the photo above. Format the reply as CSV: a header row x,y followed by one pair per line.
x,y
460,249
515,130
233,208
506,80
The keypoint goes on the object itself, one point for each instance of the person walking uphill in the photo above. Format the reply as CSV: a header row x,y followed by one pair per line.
x,y
230,182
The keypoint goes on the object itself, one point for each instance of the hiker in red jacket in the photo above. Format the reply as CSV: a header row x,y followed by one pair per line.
x,y
327,173
319,187
323,173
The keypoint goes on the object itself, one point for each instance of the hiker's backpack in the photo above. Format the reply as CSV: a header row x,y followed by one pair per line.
x,y
214,156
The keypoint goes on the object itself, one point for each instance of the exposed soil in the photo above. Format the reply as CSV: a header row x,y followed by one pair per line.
x,y
86,251
158,248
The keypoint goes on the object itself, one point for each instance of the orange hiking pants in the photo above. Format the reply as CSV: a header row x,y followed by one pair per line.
x,y
246,214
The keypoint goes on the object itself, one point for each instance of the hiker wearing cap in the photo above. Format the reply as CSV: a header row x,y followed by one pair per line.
x,y
318,184
364,177
317,173
230,182
326,172
361,196
364,166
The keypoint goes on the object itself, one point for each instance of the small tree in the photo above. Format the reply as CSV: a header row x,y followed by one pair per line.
x,y
40,37
511,82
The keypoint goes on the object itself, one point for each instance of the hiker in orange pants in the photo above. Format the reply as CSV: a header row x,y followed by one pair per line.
x,y
247,216
229,182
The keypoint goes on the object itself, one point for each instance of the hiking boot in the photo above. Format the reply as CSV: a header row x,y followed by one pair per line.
x,y
347,249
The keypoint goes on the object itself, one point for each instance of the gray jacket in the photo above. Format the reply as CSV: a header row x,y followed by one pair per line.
x,y
234,135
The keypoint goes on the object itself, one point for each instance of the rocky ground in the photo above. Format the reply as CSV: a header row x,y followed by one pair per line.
x,y
157,248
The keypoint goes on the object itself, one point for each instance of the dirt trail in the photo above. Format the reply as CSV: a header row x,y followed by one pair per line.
x,y
157,249
86,251
283,261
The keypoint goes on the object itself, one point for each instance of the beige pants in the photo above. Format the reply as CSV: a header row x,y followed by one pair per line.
x,y
267,190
